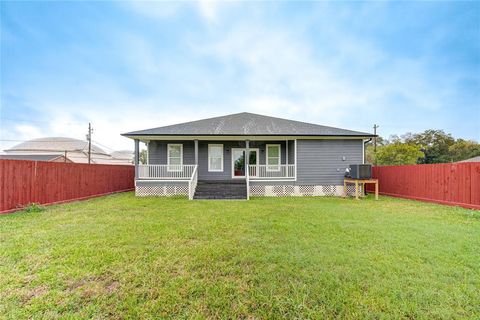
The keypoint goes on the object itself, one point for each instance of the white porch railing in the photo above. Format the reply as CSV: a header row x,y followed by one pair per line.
x,y
166,172
171,173
192,183
269,172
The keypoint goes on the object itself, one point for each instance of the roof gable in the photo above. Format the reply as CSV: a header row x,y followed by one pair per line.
x,y
247,124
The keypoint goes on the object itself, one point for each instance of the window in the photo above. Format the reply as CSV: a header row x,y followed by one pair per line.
x,y
215,157
273,157
174,157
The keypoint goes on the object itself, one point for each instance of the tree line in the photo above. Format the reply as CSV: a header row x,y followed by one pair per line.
x,y
430,146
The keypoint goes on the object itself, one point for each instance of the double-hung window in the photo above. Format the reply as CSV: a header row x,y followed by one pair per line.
x,y
174,157
273,157
215,157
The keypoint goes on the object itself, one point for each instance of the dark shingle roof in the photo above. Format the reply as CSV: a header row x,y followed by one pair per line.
x,y
247,124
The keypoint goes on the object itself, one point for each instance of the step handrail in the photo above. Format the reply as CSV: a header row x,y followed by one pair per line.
x,y
192,183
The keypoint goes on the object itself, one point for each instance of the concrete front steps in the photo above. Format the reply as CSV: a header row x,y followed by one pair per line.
x,y
221,190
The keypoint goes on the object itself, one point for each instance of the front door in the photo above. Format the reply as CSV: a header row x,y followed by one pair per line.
x,y
238,161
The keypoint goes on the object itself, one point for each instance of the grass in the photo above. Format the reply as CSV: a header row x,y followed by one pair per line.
x,y
124,257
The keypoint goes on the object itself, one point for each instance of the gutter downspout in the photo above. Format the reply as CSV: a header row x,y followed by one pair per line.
x,y
364,151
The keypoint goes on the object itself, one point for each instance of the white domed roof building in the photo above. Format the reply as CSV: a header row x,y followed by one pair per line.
x,y
73,149
126,155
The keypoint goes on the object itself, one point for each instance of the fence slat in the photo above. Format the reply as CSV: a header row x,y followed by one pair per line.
x,y
447,183
24,182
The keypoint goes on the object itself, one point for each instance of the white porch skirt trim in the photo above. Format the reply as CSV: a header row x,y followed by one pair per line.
x,y
162,191
301,191
255,191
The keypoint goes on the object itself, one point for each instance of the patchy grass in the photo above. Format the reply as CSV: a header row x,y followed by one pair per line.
x,y
125,257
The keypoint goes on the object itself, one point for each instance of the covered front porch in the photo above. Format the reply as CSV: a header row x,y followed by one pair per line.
x,y
185,162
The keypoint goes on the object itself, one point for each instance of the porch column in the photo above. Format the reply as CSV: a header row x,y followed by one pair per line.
x,y
295,158
247,156
196,151
286,154
137,156
147,160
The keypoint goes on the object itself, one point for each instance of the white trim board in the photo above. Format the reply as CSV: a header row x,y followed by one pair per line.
x,y
168,156
257,151
279,156
208,156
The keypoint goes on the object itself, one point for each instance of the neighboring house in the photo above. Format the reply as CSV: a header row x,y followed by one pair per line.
x,y
124,156
75,150
49,157
474,159
285,157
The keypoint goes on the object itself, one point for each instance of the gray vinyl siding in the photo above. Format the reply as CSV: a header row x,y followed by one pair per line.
x,y
157,154
157,151
226,174
204,174
320,161
262,146
291,151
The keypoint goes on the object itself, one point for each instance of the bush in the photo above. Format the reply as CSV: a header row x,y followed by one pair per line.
x,y
33,207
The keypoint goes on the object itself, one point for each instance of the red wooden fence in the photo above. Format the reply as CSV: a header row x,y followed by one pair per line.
x,y
446,183
24,182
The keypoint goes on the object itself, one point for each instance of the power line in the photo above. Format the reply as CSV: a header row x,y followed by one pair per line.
x,y
13,140
102,145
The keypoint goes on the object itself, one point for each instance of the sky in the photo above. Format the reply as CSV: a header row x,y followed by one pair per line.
x,y
124,66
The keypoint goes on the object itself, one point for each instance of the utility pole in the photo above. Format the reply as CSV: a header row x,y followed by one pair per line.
x,y
89,138
375,138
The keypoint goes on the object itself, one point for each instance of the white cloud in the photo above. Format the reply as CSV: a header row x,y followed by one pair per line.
x,y
283,75
25,130
260,67
209,10
154,9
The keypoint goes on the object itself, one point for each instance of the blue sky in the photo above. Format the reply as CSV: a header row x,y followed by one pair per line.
x,y
134,65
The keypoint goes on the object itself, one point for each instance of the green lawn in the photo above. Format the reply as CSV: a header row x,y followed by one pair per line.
x,y
125,257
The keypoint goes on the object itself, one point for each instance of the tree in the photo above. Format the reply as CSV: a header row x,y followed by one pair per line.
x,y
464,149
143,156
369,149
398,154
433,143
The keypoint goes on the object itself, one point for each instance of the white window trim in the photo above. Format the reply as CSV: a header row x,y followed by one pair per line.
x,y
208,158
279,157
168,157
256,150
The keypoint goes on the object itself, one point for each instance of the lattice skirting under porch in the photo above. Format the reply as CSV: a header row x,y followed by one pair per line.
x,y
301,191
146,189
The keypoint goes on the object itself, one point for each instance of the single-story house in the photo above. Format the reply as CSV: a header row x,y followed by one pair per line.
x,y
245,154
474,159
74,150
48,157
